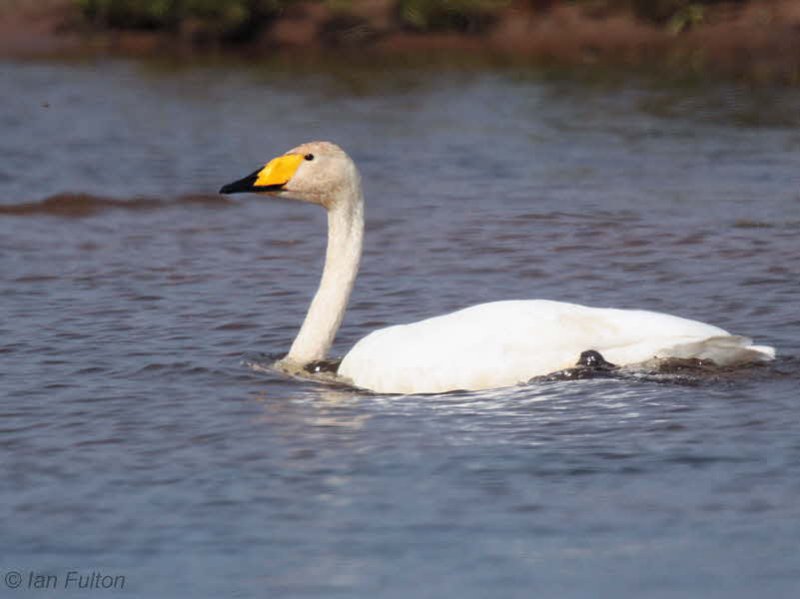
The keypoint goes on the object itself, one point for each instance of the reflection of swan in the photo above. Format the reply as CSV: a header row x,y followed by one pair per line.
x,y
484,346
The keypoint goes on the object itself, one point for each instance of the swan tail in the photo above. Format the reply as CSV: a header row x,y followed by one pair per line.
x,y
725,350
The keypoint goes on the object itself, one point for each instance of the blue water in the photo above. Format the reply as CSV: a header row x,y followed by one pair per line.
x,y
137,442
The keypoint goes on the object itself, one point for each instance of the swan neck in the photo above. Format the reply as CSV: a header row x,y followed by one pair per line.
x,y
342,257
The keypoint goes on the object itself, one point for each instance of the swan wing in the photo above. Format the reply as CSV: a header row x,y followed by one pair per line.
x,y
505,343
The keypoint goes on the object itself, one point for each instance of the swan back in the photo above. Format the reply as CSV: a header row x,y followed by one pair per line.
x,y
509,342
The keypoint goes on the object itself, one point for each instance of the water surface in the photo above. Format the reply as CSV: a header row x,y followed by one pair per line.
x,y
136,441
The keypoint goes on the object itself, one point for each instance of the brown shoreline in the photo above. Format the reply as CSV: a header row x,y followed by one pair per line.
x,y
759,41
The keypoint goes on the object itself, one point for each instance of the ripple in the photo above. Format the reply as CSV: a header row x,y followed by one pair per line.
x,y
79,205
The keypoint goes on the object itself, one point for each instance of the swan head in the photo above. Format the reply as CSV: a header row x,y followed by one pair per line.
x,y
319,172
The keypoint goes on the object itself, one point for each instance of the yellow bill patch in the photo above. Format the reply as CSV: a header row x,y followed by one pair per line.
x,y
279,171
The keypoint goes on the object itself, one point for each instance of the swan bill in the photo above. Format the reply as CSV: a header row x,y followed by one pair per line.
x,y
272,177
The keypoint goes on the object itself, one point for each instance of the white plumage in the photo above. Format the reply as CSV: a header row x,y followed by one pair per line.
x,y
485,346
508,342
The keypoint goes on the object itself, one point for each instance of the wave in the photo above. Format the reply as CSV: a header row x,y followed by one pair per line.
x,y
79,205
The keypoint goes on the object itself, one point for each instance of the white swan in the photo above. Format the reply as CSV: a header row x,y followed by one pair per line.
x,y
489,345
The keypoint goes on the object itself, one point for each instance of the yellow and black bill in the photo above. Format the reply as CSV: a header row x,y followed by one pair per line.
x,y
272,177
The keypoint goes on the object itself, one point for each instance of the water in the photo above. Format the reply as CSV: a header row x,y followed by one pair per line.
x,y
136,442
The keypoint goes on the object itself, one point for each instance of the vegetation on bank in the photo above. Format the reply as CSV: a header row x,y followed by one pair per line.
x,y
225,18
757,40
244,19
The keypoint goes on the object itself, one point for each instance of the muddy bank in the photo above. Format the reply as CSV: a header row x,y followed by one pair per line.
x,y
759,40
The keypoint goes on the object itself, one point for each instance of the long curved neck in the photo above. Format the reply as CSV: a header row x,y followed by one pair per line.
x,y
345,235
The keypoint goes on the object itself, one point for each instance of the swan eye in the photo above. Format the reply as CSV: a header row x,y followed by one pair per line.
x,y
309,156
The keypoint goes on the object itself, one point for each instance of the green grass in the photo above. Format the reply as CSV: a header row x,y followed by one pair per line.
x,y
458,15
671,13
227,18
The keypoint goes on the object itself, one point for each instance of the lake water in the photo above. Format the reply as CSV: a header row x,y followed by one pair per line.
x,y
137,442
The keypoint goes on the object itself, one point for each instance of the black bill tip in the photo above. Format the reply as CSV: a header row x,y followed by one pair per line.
x,y
248,184
242,185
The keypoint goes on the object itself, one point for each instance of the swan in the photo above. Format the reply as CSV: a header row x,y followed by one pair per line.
x,y
485,346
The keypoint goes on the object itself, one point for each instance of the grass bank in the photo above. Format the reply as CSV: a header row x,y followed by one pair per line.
x,y
756,38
